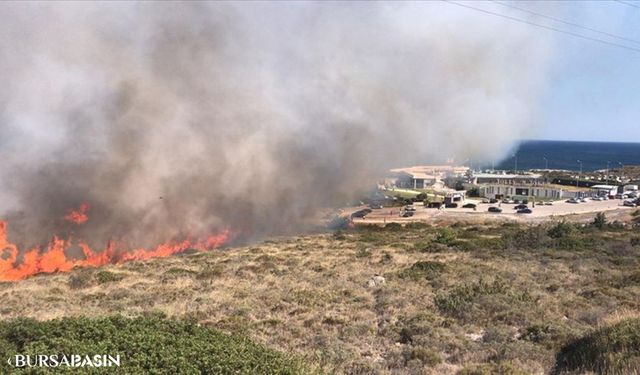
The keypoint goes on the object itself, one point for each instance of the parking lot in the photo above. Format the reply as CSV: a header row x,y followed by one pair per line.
x,y
540,212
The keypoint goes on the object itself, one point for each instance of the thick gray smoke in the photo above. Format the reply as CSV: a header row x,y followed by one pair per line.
x,y
175,118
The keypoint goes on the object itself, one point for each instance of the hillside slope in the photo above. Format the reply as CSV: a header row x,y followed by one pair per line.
x,y
464,299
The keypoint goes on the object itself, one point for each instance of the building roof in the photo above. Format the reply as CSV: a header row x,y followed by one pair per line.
x,y
604,187
432,169
506,176
419,175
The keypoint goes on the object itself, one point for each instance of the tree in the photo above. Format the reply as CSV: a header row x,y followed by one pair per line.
x,y
600,220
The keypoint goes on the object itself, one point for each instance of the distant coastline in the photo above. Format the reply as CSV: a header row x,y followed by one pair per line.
x,y
572,155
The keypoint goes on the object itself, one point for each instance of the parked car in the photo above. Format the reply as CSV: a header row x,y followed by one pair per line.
x,y
407,214
451,205
495,209
548,203
573,200
469,205
360,213
629,203
520,207
485,200
493,200
375,206
525,211
508,201
409,208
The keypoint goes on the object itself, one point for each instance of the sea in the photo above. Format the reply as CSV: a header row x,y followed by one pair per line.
x,y
568,155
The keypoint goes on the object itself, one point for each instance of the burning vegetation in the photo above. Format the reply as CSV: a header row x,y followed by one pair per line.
x,y
54,257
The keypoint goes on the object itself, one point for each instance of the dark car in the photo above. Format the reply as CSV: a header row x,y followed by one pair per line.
x,y
409,208
495,209
360,213
520,207
407,214
451,205
493,200
469,205
525,211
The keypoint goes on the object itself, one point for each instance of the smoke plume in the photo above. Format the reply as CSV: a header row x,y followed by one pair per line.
x,y
169,118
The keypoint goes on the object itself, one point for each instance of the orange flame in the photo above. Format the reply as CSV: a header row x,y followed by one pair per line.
x,y
54,259
78,216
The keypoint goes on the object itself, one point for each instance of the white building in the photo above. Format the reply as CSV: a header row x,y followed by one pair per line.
x,y
414,180
507,179
604,189
500,191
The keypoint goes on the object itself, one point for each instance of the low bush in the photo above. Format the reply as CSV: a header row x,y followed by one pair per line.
x,y
80,278
150,344
610,349
460,301
103,277
561,230
423,270
446,236
600,221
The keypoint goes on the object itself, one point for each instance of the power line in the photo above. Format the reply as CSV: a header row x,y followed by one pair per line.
x,y
544,26
629,3
566,22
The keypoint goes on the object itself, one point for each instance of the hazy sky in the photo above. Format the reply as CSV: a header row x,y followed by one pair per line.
x,y
594,92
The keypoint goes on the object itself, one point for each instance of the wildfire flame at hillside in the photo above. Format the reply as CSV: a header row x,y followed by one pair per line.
x,y
173,120
54,257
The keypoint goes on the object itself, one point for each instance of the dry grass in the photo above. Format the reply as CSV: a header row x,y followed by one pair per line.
x,y
473,304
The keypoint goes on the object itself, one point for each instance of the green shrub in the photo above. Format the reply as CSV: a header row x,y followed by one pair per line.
x,y
416,225
393,226
600,220
459,301
445,236
426,356
530,237
561,230
502,368
179,272
150,344
210,272
611,349
423,270
104,277
339,235
80,278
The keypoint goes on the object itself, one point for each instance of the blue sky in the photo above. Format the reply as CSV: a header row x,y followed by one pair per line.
x,y
594,89
594,92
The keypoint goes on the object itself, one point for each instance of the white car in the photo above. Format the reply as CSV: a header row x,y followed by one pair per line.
x,y
629,204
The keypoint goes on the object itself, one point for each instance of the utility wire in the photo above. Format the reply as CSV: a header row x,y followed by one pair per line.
x,y
629,3
544,26
565,22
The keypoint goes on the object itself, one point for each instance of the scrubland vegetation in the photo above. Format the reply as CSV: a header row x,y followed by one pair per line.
x,y
463,299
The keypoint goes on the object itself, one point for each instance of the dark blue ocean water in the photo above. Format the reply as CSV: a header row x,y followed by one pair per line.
x,y
565,155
